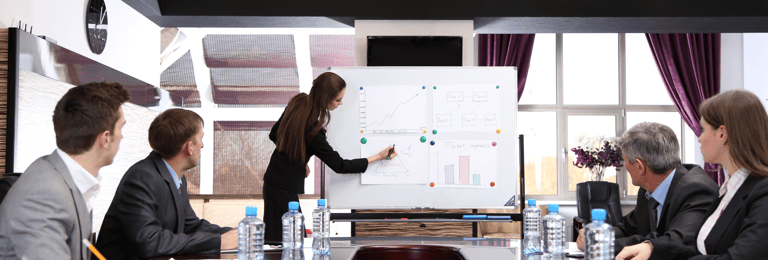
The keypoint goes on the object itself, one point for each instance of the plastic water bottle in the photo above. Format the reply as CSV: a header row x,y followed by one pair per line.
x,y
532,231
293,254
554,234
250,232
321,228
598,237
293,227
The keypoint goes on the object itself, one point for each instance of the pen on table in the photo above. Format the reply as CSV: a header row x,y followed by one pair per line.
x,y
390,151
93,249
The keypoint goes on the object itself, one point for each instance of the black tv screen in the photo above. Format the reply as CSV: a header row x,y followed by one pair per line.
x,y
414,50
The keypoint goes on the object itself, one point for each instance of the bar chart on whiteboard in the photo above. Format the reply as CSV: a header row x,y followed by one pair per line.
x,y
393,109
463,164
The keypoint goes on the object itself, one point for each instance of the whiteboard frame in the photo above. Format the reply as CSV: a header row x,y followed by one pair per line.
x,y
346,191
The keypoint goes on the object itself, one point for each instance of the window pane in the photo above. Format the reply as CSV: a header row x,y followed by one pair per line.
x,y
539,128
541,81
690,145
671,119
580,127
644,84
590,69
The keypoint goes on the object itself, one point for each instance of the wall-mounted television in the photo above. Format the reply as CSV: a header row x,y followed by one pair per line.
x,y
414,51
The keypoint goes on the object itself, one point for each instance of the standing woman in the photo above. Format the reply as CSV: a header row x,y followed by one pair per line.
x,y
299,135
735,136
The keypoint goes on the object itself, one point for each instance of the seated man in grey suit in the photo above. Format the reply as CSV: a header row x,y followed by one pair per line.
x,y
150,215
673,197
46,214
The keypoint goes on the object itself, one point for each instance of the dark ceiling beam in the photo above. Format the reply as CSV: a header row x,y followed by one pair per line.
x,y
462,9
620,24
490,16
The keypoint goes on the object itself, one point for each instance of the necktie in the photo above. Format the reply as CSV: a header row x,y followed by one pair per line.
x,y
652,204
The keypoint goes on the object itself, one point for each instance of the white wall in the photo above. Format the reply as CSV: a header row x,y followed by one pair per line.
x,y
133,42
756,65
463,28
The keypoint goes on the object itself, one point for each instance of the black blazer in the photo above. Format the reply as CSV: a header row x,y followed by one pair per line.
x,y
289,175
690,194
741,230
150,217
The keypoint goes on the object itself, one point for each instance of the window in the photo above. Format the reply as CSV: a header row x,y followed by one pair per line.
x,y
589,85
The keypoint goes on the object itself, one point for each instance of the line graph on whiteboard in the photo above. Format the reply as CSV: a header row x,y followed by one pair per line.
x,y
393,109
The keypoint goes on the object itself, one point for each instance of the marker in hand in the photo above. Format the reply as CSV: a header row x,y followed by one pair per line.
x,y
390,151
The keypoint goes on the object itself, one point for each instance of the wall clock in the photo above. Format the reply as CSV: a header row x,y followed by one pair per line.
x,y
96,25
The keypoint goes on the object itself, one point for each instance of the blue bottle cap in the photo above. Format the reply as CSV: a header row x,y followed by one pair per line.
x,y
251,211
554,208
598,214
321,202
531,202
293,205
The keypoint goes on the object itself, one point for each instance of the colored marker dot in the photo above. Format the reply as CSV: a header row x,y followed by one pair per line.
x,y
423,139
363,140
434,87
494,144
361,88
362,130
434,132
432,142
431,184
497,86
423,87
493,184
498,131
425,131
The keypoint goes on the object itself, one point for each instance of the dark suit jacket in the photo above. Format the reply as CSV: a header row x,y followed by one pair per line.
x,y
740,232
150,217
690,194
289,175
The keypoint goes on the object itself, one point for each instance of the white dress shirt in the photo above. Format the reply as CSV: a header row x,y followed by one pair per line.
x,y
85,182
729,188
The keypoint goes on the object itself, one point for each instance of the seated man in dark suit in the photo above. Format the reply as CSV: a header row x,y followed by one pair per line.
x,y
150,214
673,197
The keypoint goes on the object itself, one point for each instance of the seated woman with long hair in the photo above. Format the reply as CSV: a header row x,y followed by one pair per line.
x,y
735,136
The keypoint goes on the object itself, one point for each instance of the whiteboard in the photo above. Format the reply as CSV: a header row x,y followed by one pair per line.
x,y
464,164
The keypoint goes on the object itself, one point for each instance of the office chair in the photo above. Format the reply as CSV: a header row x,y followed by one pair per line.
x,y
596,195
6,181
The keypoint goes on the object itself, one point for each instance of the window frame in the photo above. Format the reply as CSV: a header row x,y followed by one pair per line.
x,y
619,111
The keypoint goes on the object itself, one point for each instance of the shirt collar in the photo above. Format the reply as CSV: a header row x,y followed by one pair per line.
x,y
737,178
86,184
660,193
175,177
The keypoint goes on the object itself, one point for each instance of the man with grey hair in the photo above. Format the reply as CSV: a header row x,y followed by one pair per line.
x,y
673,198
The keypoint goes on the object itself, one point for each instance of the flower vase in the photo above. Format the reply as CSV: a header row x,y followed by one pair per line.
x,y
596,173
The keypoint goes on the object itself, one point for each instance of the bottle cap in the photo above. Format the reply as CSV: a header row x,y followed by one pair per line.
x,y
293,205
598,214
251,211
531,202
554,208
321,202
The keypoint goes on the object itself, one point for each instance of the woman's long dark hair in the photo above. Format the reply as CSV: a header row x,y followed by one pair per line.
x,y
306,115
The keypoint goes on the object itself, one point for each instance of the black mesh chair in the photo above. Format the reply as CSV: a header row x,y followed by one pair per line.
x,y
596,195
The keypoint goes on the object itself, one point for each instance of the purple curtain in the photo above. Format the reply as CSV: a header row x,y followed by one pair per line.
x,y
507,50
689,64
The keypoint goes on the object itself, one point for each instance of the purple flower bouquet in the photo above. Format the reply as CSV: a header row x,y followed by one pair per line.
x,y
597,157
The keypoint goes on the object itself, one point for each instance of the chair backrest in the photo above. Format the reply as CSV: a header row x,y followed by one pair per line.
x,y
598,195
6,181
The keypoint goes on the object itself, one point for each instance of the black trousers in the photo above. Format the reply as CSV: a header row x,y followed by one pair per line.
x,y
275,205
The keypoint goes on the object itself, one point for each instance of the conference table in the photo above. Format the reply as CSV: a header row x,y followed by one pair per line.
x,y
345,248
